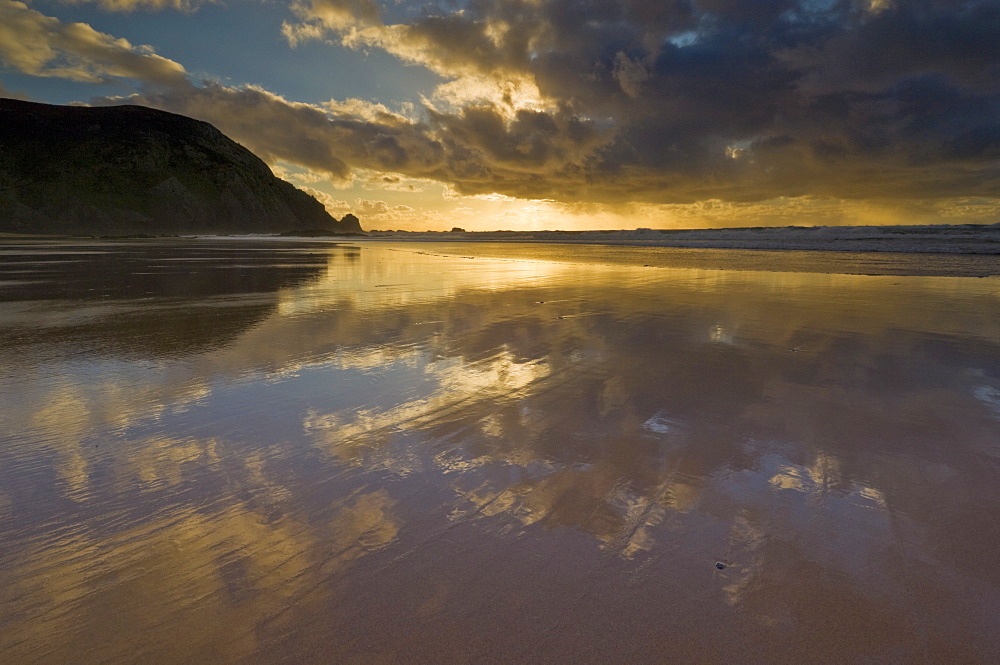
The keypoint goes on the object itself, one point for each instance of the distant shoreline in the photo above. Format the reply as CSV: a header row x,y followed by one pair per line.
x,y
948,255
937,239
968,239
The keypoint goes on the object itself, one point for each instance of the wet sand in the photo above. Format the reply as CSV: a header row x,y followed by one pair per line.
x,y
291,452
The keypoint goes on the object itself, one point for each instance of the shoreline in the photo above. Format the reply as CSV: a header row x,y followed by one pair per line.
x,y
968,240
939,239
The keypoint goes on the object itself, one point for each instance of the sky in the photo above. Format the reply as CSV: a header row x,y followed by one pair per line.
x,y
560,114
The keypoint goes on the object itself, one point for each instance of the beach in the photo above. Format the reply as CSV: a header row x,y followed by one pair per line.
x,y
375,451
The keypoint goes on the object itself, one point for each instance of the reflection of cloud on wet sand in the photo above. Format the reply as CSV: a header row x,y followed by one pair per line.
x,y
221,574
191,571
817,433
364,524
457,386
525,434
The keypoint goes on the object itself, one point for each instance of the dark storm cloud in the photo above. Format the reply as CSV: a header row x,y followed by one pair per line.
x,y
477,149
667,102
955,39
725,98
322,140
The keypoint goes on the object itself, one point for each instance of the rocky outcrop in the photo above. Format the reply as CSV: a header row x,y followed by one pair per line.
x,y
131,169
349,221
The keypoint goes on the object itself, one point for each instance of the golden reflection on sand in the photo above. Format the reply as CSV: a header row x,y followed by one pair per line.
x,y
170,586
547,458
190,584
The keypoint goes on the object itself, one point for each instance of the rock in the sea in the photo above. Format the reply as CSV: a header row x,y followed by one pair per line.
x,y
350,224
131,169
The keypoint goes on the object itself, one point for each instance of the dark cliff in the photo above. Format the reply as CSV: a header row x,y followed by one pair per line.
x,y
131,169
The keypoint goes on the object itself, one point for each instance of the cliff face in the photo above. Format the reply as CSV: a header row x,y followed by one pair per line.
x,y
131,169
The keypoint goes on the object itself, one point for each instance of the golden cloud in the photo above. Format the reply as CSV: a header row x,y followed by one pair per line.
x,y
40,45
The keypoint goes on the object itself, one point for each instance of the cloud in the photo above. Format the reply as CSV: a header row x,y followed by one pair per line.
x,y
382,212
368,207
40,45
335,207
477,150
298,33
325,140
633,100
619,103
395,183
307,177
337,14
